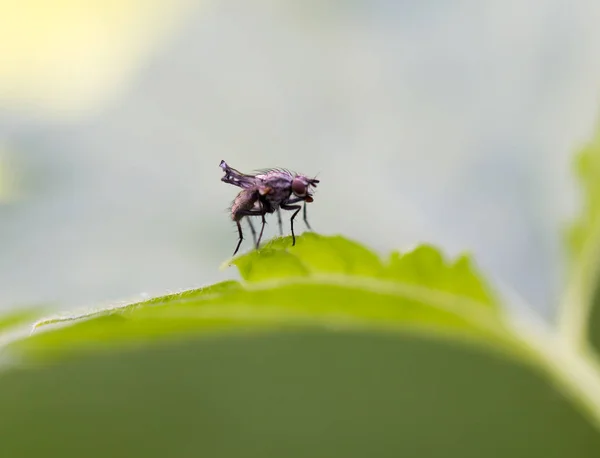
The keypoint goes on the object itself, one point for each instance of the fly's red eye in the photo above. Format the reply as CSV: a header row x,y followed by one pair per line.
x,y
299,187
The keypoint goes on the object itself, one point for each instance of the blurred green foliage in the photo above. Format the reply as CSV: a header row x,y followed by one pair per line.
x,y
328,393
581,308
4,185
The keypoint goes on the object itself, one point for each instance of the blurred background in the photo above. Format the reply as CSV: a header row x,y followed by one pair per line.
x,y
452,122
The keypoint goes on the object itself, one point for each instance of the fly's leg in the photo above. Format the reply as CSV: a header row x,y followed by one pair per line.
x,y
239,226
306,220
297,208
239,215
252,230
279,222
262,228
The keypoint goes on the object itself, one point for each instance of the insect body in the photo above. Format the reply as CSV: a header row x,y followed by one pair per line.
x,y
267,192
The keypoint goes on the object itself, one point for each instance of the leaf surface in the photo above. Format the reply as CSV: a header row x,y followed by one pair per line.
x,y
323,281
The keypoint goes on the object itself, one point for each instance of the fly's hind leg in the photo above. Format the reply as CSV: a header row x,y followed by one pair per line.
x,y
252,230
239,215
241,234
279,222
262,228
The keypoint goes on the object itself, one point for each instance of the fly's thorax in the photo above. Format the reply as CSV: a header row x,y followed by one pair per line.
x,y
277,196
279,186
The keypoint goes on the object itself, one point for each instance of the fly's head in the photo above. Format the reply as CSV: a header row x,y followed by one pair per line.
x,y
302,187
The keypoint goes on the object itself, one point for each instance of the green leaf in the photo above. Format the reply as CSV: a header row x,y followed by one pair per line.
x,y
298,394
322,281
425,266
238,357
580,308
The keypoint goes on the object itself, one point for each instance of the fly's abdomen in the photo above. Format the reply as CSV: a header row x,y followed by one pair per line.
x,y
245,201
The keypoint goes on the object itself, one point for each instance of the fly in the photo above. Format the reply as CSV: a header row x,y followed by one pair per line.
x,y
269,191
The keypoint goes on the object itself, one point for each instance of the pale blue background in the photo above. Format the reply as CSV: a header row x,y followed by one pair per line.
x,y
452,122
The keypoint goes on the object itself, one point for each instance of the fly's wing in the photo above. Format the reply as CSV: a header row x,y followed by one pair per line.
x,y
237,178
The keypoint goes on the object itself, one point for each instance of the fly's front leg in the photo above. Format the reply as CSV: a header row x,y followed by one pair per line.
x,y
297,208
